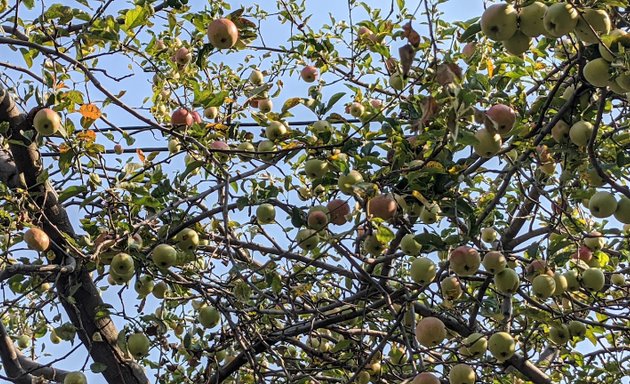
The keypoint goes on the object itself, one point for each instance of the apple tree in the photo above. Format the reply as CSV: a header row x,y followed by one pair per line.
x,y
241,192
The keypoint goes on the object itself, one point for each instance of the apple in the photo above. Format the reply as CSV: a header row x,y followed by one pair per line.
x,y
159,45
543,286
36,239
144,285
160,290
256,77
118,149
309,74
209,316
23,341
187,239
222,33
502,346
276,130
425,378
46,122
517,44
475,345
616,39
430,331
409,246
560,131
618,279
451,288
54,338
338,210
182,117
507,281
357,109
592,20
580,133
464,261
494,262
596,72
595,241
347,182
307,239
622,213
531,18
602,204
502,117
211,113
183,56
164,255
174,146
462,374
422,270
245,146
376,103
430,213
138,345
499,22
373,246
397,82
535,268
265,105
315,168
621,84
382,206
75,378
488,235
363,377
593,178
265,213
488,143
321,127
560,19
593,279
221,148
573,283
577,329
561,282
266,146
317,218
122,264
559,334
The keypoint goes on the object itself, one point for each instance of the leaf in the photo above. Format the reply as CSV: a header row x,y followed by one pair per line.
x,y
140,154
135,17
470,32
88,135
490,67
90,111
71,191
292,102
332,101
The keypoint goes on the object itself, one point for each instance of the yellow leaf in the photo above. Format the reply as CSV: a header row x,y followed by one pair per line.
x,y
64,148
490,67
89,136
217,126
90,111
140,154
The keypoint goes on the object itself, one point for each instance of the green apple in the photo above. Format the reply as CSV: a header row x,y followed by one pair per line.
x,y
245,146
75,378
543,286
612,44
122,264
602,204
577,329
595,241
618,279
488,235
187,239
265,213
451,288
494,262
144,285
120,278
315,168
561,284
307,239
499,22
593,279
507,281
46,122
357,109
592,20
321,127
265,105
502,346
597,72
425,378
530,19
209,316
573,283
517,44
276,130
422,270
462,374
622,213
397,82
464,261
164,255
256,77
430,214
560,19
488,143
621,84
559,334
560,131
138,345
409,246
174,146
160,290
475,345
266,146
373,246
430,331
23,341
347,182
580,133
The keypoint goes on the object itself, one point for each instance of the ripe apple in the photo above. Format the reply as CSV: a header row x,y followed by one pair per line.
x,y
502,117
209,316
315,168
36,239
451,288
266,146
317,218
382,206
307,239
409,246
535,268
501,346
531,19
187,239
464,261
561,282
592,20
397,82
430,331
577,329
122,264
46,122
309,74
222,33
517,44
507,281
475,345
425,378
183,56
144,285
347,182
622,213
462,373
138,345
265,213
164,255
580,133
373,246
543,286
357,109
276,130
256,77
499,22
560,131
338,210
265,105
593,279
560,19
494,262
75,378
559,334
488,143
220,147
602,204
596,72
488,235
182,117
422,270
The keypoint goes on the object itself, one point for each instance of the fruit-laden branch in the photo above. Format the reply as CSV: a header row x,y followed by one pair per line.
x,y
10,361
76,287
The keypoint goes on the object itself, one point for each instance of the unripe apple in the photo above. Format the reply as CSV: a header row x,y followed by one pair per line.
x,y
182,117
397,82
315,168
307,239
531,19
622,213
502,346
596,72
382,206
222,33
266,146
256,77
187,239
488,143
475,345
488,235
573,283
462,373
464,261
174,146
122,264
75,378
560,19
561,284
451,288
321,127
276,130
559,334
160,290
409,246
577,329
499,22
602,204
46,122
164,255
363,377
54,338
430,213
618,279
138,345
338,210
36,239
425,378
265,105
144,285
209,316
317,218
507,281
430,331
592,20
580,133
373,246
494,262
265,213
23,341
422,270
543,286
357,109
183,56
309,74
560,131
347,182
211,113
593,279
245,146
517,44
615,40
595,241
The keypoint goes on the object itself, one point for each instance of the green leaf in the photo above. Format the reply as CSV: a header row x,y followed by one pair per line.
x,y
135,17
71,191
98,367
332,101
470,32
